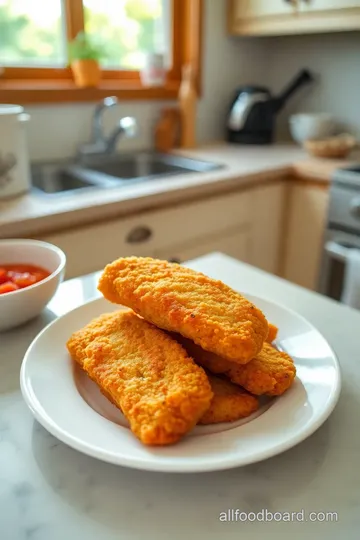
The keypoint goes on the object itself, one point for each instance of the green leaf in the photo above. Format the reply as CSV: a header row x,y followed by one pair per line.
x,y
83,47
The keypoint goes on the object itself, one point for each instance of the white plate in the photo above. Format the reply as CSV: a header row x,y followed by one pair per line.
x,y
72,408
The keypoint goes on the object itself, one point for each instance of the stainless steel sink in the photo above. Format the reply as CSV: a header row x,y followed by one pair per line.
x,y
146,165
106,171
56,179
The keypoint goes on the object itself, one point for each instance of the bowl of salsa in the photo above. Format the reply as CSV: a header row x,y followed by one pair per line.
x,y
30,273
19,276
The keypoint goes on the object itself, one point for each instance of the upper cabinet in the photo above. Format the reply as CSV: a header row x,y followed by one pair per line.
x,y
325,5
284,17
249,9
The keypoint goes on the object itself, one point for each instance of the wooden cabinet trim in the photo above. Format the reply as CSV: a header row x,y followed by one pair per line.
x,y
302,22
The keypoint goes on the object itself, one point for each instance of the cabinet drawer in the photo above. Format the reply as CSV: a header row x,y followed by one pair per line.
x,y
90,247
233,243
183,223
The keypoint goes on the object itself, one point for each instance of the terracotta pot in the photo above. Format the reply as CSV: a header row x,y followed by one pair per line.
x,y
86,73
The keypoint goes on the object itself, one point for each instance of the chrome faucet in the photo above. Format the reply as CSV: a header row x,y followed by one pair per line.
x,y
100,144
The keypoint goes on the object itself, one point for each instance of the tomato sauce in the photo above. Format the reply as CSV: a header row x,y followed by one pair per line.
x,y
18,276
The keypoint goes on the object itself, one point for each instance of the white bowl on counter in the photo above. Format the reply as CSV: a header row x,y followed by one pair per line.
x,y
307,126
20,306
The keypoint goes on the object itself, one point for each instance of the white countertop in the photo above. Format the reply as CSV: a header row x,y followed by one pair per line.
x,y
32,214
51,492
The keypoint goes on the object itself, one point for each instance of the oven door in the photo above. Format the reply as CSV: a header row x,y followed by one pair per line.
x,y
336,247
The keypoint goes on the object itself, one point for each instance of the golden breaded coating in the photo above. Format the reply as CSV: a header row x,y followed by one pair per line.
x,y
181,300
272,334
145,373
271,372
230,402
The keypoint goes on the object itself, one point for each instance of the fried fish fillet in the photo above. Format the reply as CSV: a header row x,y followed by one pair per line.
x,y
272,334
145,373
271,372
181,300
230,402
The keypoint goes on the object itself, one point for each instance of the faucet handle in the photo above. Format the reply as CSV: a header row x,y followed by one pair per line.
x,y
129,126
110,101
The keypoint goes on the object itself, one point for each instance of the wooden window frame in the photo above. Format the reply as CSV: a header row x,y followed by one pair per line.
x,y
27,85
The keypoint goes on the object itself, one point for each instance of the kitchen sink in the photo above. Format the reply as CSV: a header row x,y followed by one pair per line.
x,y
146,165
57,178
108,171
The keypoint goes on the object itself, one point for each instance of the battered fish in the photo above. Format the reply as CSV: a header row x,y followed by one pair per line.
x,y
230,402
145,373
272,334
271,372
181,300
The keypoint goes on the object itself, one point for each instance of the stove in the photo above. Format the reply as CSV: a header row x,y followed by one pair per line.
x,y
348,177
342,230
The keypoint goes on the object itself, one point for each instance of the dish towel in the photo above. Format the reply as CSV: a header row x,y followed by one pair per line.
x,y
351,289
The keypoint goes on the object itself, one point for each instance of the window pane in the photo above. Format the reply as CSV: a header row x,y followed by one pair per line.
x,y
31,33
127,29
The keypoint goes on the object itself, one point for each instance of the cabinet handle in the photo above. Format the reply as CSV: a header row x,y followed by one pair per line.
x,y
139,235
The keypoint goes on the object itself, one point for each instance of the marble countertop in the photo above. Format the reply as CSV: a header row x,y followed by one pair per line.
x,y
33,214
51,492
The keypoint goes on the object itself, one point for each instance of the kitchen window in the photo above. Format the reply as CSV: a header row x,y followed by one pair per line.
x,y
34,39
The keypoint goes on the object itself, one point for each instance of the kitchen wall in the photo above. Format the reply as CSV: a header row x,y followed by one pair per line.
x,y
335,59
227,63
56,131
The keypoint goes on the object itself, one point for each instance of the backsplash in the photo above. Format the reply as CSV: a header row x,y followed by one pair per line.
x,y
334,58
56,131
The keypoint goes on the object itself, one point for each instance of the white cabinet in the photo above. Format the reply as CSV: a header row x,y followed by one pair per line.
x,y
89,248
267,224
275,226
260,17
283,17
304,233
327,5
257,241
236,244
246,225
249,9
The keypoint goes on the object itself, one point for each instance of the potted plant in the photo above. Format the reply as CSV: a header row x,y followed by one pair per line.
x,y
84,57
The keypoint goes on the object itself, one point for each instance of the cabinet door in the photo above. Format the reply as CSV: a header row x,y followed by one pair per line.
x,y
88,249
233,243
261,17
327,5
284,17
268,205
307,214
248,9
259,241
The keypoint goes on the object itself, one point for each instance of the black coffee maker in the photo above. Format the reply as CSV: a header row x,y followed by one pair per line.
x,y
252,114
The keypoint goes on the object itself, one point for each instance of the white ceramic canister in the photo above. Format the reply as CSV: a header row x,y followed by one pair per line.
x,y
154,71
14,157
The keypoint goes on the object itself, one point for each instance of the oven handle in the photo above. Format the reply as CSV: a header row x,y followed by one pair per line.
x,y
337,251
